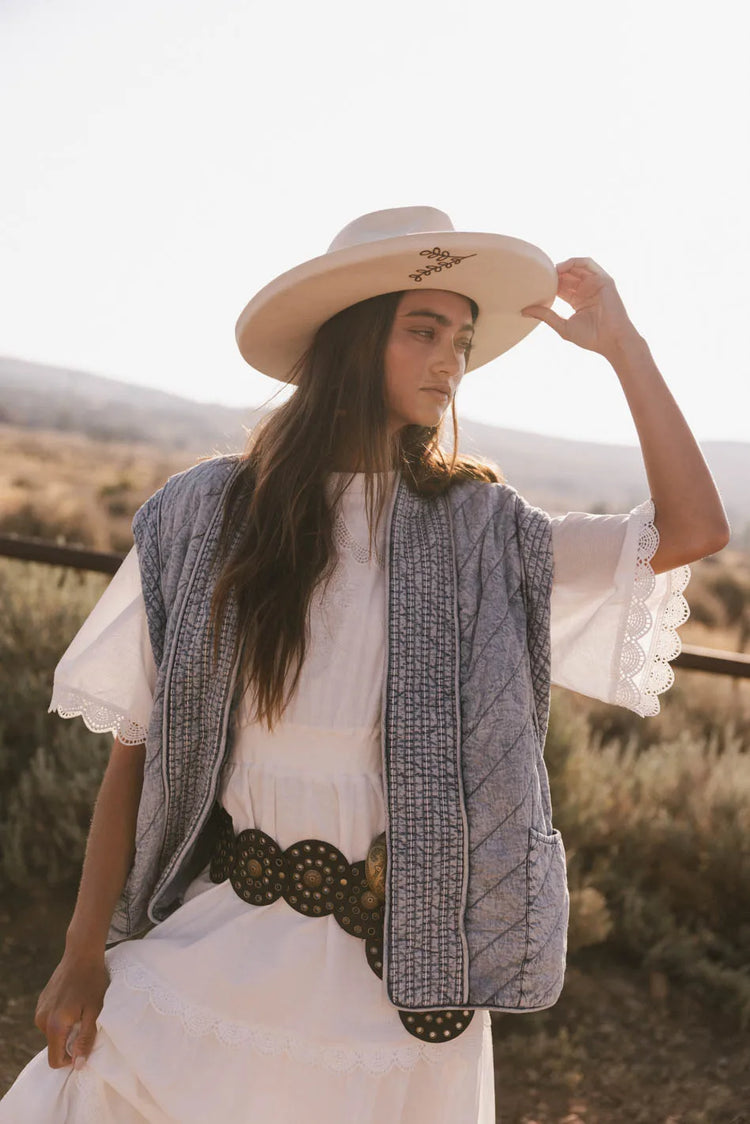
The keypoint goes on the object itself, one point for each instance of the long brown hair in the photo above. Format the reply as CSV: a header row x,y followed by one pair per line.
x,y
277,513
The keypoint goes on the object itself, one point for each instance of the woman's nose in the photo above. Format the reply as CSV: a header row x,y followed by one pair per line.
x,y
449,360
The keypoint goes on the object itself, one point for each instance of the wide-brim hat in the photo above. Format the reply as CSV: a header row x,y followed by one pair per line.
x,y
388,251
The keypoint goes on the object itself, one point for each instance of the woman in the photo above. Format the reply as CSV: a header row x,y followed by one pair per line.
x,y
346,633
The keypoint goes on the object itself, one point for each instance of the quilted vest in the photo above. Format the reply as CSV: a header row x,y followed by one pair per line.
x,y
477,901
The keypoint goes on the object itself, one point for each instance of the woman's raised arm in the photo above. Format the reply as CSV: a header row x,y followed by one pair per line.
x,y
689,514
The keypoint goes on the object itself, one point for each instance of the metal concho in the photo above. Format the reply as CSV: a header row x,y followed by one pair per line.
x,y
318,877
374,953
436,1026
376,865
360,912
258,873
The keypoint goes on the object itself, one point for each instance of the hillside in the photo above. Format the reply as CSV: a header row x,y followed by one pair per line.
x,y
557,474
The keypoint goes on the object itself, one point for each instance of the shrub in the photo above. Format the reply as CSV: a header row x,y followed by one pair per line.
x,y
50,769
40,522
660,835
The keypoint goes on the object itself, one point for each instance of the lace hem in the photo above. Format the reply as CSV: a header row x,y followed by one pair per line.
x,y
200,1021
100,718
653,668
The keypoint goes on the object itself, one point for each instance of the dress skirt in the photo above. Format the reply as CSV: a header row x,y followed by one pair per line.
x,y
240,1013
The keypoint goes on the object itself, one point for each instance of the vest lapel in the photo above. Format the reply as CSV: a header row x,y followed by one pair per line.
x,y
197,704
425,948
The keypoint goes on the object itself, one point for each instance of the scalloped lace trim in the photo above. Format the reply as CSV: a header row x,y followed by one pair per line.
x,y
199,1021
666,645
100,718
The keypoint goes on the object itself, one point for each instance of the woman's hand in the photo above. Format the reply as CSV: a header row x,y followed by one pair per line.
x,y
600,322
689,514
74,994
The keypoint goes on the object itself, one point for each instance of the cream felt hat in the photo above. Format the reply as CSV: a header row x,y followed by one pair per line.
x,y
388,251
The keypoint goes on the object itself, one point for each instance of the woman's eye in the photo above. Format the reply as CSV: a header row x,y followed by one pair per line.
x,y
465,346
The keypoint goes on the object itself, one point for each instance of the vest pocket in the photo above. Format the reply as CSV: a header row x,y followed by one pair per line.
x,y
547,908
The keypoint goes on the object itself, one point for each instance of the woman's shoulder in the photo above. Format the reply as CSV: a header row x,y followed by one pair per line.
x,y
183,501
486,496
498,510
207,478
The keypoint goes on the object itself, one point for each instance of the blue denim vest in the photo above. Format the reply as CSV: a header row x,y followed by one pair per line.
x,y
477,901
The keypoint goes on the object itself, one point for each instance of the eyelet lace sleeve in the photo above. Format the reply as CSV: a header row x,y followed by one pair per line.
x,y
99,717
613,620
636,690
107,674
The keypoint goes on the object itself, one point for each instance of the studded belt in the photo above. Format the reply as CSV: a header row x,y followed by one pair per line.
x,y
315,878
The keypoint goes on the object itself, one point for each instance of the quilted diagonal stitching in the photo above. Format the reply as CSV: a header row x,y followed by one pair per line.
x,y
500,760
499,882
493,632
505,818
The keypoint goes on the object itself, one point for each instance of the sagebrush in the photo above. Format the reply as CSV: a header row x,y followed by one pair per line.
x,y
655,813
50,769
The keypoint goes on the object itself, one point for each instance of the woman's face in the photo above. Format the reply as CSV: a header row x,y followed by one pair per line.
x,y
425,357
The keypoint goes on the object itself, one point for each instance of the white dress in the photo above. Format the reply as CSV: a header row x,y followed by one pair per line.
x,y
259,1015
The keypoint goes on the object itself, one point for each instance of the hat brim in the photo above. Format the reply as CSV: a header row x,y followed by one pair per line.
x,y
501,274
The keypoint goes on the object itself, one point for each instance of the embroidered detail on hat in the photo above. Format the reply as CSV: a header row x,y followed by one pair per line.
x,y
444,260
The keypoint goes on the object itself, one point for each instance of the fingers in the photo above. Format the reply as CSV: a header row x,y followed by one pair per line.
x,y
541,312
59,1027
578,263
71,1039
86,1035
580,267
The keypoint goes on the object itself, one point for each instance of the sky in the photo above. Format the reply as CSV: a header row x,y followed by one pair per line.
x,y
165,159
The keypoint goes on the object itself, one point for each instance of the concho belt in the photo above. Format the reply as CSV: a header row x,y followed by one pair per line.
x,y
315,878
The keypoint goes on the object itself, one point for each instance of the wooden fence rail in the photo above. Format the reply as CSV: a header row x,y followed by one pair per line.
x,y
104,562
40,550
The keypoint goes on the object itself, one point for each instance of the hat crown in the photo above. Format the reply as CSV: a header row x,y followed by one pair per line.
x,y
391,223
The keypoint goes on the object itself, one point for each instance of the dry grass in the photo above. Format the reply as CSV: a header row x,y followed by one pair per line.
x,y
76,489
